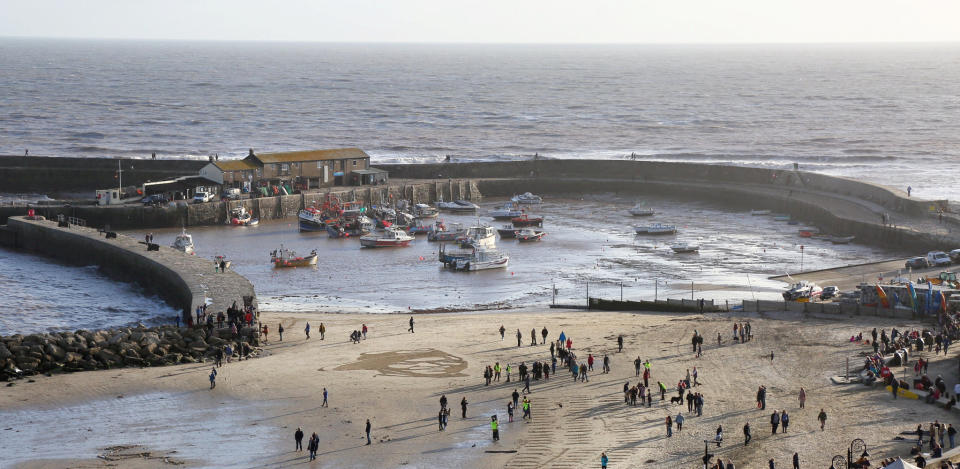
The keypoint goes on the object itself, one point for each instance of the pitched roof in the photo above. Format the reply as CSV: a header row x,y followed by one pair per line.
x,y
311,155
235,165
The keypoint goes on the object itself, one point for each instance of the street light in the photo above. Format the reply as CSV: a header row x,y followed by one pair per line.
x,y
838,462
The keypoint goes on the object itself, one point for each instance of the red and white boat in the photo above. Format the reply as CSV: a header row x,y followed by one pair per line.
x,y
390,237
529,234
526,220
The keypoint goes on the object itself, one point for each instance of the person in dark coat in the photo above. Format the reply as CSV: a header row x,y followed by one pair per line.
x,y
298,437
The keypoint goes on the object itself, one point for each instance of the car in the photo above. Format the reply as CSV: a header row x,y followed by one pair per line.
x,y
232,194
155,199
917,263
829,292
938,258
202,197
955,256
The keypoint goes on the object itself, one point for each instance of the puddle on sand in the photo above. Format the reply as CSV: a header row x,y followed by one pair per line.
x,y
207,430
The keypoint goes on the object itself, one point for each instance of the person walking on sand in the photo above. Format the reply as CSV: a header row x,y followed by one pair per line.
x,y
502,330
496,371
495,427
637,364
774,421
603,460
803,397
679,421
463,407
526,409
516,398
669,427
298,438
443,401
543,334
822,417
784,420
313,445
213,378
324,404
307,330
796,460
509,411
746,434
363,330
519,337
533,337
280,331
411,325
322,329
367,431
620,343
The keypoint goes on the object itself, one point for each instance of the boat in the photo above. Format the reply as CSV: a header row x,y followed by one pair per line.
x,y
427,229
474,259
241,217
311,219
656,229
802,291
525,220
479,236
640,211
462,206
507,232
390,237
183,242
806,234
683,248
451,233
282,258
508,211
529,234
840,239
425,211
758,213
781,217
527,198
221,261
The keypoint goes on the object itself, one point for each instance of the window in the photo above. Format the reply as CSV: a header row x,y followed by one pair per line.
x,y
284,168
319,164
354,163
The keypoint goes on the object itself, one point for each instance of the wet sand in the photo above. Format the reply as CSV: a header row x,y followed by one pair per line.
x,y
395,378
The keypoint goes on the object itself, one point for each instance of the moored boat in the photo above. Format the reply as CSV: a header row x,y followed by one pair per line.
x,y
461,206
758,213
527,198
684,248
427,229
451,233
474,259
508,211
640,211
840,239
479,236
390,237
507,232
425,211
311,219
183,242
529,234
656,229
283,257
525,220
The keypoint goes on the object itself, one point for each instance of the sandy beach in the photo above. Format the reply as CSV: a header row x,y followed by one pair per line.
x,y
395,378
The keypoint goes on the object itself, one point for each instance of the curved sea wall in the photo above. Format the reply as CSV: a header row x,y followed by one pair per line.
x,y
182,280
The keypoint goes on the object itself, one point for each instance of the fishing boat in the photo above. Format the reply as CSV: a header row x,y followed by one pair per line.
x,y
388,238
640,211
451,233
802,291
427,229
283,257
460,206
758,213
656,229
508,211
311,219
474,259
685,248
527,198
425,211
221,261
840,239
525,220
529,234
241,217
507,232
183,242
479,236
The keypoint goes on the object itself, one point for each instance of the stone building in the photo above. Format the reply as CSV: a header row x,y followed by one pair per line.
x,y
309,169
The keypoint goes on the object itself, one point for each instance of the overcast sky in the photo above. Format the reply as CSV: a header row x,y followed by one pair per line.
x,y
490,21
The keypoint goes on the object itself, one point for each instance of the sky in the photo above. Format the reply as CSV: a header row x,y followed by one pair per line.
x,y
490,21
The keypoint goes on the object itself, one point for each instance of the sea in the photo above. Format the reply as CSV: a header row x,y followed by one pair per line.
x,y
886,113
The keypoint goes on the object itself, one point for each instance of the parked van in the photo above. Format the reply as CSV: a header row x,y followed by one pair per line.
x,y
938,258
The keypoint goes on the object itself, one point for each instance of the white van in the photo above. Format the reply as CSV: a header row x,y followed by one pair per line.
x,y
938,258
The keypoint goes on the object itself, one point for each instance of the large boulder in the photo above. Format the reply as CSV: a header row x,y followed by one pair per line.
x,y
117,338
108,357
5,353
54,351
72,357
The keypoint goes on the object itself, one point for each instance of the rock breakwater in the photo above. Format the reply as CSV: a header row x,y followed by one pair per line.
x,y
25,355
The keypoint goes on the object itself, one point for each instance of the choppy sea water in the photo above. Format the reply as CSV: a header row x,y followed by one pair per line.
x,y
590,244
40,295
885,112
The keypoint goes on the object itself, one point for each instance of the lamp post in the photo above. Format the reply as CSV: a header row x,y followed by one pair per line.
x,y
857,446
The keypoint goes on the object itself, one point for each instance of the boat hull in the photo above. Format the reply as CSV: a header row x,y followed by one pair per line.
x,y
383,243
311,226
297,262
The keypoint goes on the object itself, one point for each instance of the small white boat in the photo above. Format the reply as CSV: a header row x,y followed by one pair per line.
x,y
477,259
529,234
480,236
840,239
457,206
527,198
390,237
640,211
425,211
758,213
656,229
508,211
682,248
183,242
